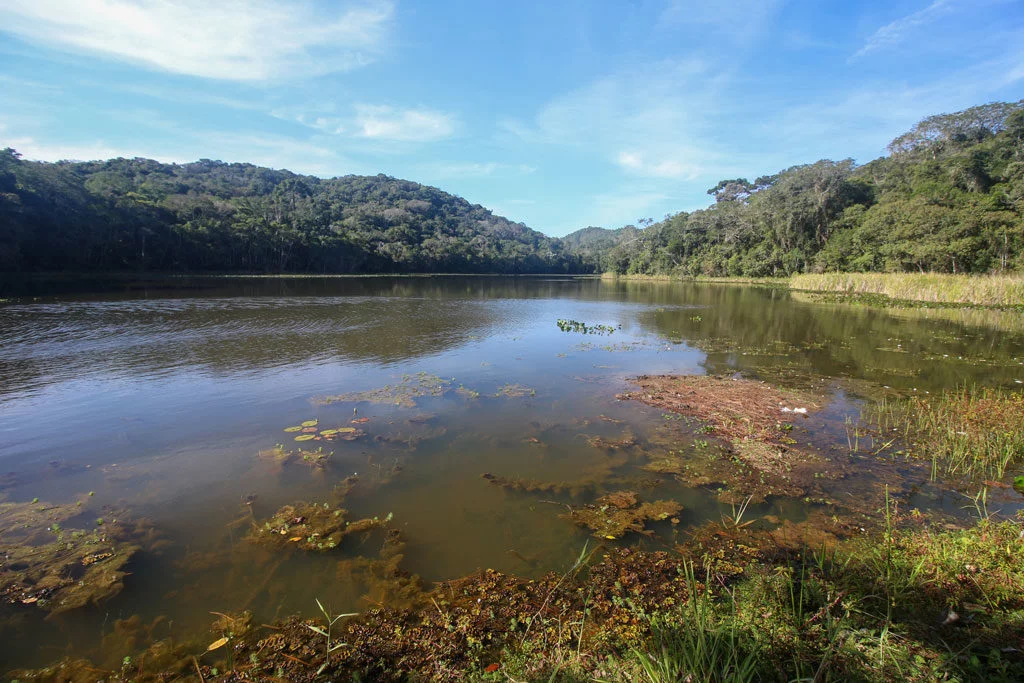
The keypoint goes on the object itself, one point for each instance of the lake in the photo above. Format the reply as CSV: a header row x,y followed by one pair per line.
x,y
161,408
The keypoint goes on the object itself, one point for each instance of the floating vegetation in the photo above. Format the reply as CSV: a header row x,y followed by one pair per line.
x,y
343,434
737,408
465,392
514,391
977,432
54,568
758,457
317,527
403,394
615,514
279,454
583,328
305,437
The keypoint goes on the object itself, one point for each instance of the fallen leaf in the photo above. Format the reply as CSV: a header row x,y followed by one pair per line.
x,y
219,643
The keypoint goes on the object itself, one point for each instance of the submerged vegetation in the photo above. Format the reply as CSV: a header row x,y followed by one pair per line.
x,y
53,559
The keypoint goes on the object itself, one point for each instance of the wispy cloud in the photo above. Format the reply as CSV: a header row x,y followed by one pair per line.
x,y
894,33
377,122
452,170
654,120
241,40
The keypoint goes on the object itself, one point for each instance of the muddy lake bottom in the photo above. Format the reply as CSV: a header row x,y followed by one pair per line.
x,y
234,445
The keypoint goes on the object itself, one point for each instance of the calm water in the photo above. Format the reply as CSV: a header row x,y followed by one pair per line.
x,y
159,398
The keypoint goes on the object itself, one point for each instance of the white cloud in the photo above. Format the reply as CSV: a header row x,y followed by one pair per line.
x,y
323,119
895,32
94,151
665,168
241,40
402,125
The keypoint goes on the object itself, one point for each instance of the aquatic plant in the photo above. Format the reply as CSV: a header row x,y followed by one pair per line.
x,y
583,328
983,290
615,514
969,431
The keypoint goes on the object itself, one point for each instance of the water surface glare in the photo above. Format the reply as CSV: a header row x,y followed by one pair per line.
x,y
159,397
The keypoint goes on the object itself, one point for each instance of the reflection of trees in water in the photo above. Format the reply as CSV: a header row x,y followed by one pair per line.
x,y
224,325
770,331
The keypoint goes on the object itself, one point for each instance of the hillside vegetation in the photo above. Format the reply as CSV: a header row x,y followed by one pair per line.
x,y
948,198
139,214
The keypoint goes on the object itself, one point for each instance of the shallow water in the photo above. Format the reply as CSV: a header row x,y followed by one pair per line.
x,y
159,396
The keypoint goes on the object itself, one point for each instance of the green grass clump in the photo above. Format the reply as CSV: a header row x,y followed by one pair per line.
x,y
975,432
979,290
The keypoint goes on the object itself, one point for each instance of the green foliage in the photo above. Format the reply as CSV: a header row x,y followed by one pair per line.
x,y
126,214
949,198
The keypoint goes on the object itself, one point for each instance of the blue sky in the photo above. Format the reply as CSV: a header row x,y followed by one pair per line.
x,y
558,114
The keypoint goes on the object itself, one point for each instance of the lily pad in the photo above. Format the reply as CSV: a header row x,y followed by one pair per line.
x,y
293,429
304,437
309,430
328,432
311,423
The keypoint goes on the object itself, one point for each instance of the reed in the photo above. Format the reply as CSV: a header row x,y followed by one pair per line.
x,y
979,290
975,432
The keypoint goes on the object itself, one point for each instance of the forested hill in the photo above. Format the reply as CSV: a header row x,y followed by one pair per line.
x,y
139,214
949,197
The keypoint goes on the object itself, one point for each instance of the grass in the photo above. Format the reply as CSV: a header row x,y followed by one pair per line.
x,y
997,291
979,290
775,281
973,432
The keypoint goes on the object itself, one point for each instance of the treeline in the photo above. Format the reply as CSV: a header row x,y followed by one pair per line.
x,y
948,198
139,214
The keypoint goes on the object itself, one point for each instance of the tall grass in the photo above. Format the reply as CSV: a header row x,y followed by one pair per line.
x,y
698,644
975,432
981,290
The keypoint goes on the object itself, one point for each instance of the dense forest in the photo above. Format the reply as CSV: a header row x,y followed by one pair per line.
x,y
949,197
139,214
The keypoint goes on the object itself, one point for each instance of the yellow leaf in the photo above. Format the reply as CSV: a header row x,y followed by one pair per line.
x,y
219,643
294,539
